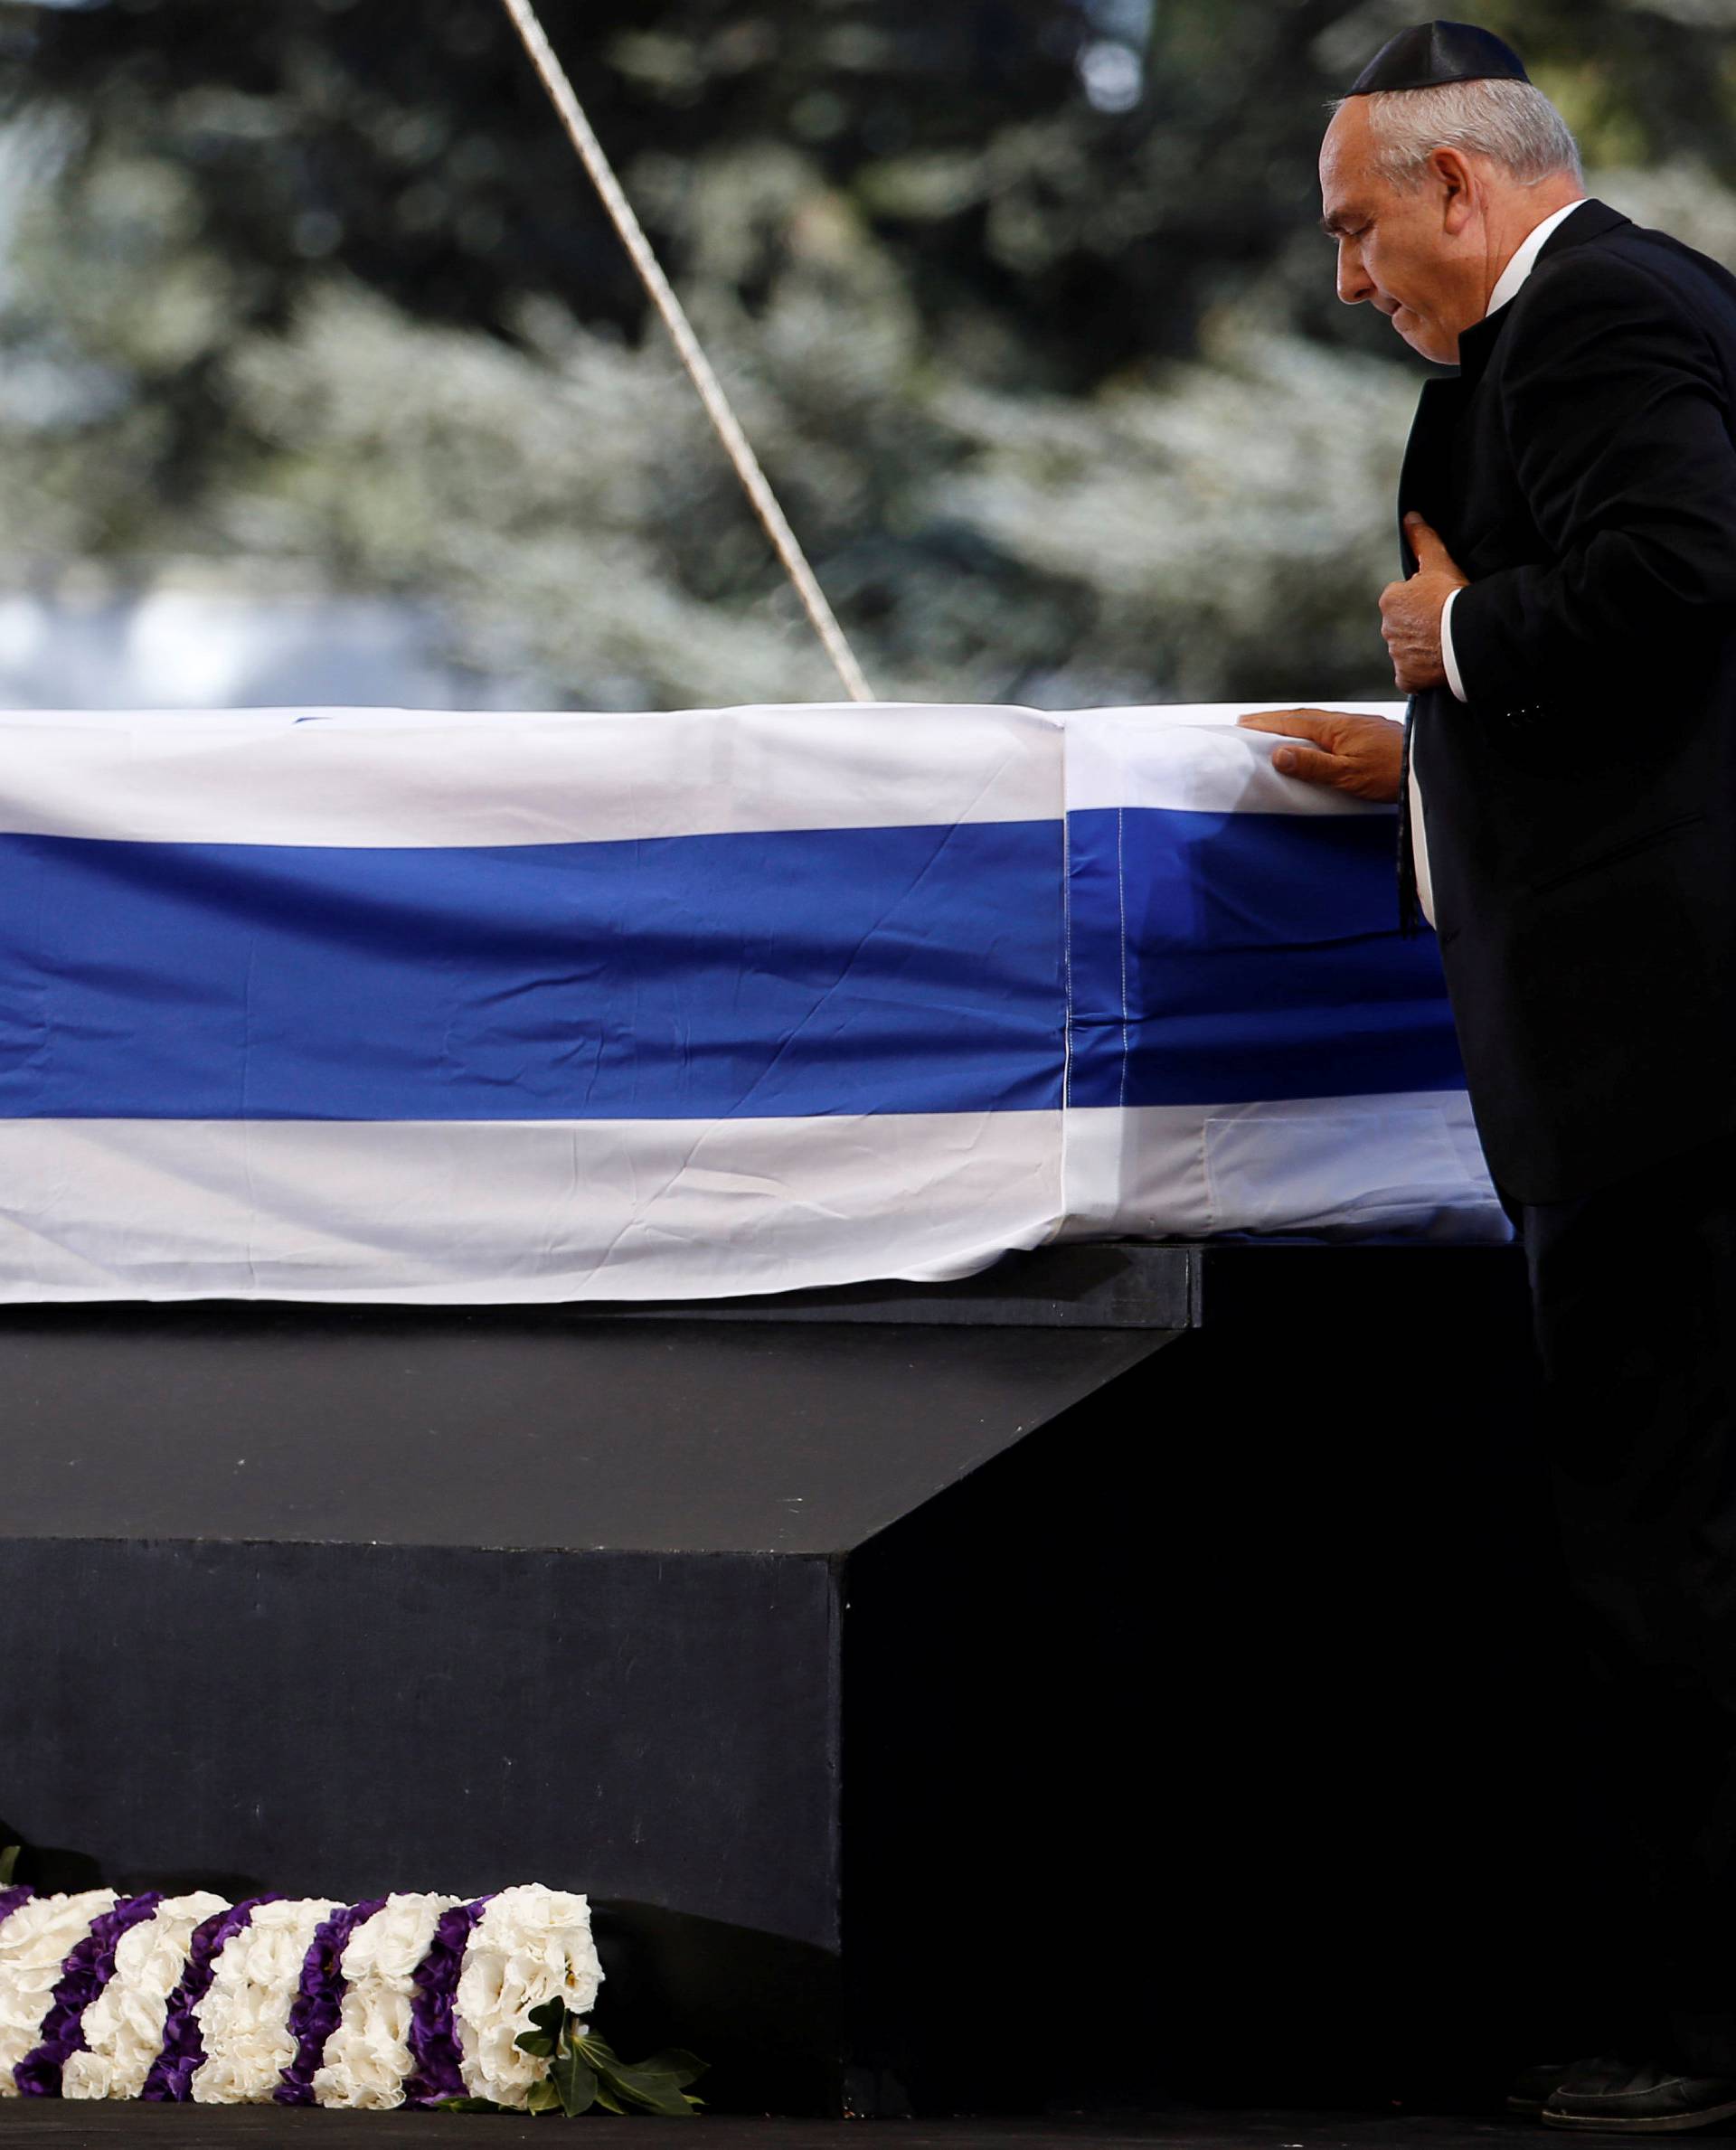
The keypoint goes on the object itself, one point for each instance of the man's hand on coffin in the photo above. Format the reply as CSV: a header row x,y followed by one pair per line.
x,y
1363,755
1410,611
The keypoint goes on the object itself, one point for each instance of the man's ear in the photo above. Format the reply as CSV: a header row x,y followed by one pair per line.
x,y
1455,182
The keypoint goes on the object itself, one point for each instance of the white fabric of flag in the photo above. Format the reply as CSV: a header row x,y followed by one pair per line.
x,y
424,1006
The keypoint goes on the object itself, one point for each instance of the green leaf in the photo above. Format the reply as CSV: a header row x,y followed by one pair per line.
x,y
684,2068
9,1864
545,2041
658,2084
574,2083
467,2104
586,2071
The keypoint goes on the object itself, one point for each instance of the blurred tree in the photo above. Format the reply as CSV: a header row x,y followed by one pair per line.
x,y
1092,172
983,273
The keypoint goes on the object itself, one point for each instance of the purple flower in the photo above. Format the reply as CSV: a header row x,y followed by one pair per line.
x,y
183,2048
319,1998
86,1971
10,1899
433,2039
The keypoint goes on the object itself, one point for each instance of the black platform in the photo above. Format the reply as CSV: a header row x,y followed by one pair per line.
x,y
251,2127
959,1698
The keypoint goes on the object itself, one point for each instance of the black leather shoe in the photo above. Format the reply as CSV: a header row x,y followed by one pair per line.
x,y
1611,2097
1532,2088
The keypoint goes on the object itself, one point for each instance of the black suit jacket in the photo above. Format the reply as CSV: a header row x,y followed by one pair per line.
x,y
1580,807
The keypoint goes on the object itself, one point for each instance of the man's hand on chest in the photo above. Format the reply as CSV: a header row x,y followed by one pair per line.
x,y
1410,611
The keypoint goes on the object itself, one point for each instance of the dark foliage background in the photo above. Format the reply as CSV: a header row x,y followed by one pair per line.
x,y
1023,301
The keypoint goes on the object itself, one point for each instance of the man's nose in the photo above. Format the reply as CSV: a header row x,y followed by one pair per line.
x,y
1354,284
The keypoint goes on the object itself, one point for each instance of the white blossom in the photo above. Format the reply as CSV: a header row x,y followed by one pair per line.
x,y
123,2026
34,1943
530,1946
244,2016
367,2059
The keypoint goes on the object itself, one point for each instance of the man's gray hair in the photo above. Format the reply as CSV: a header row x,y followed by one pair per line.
x,y
1512,123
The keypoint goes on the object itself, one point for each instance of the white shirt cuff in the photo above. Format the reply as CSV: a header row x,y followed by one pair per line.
x,y
1448,662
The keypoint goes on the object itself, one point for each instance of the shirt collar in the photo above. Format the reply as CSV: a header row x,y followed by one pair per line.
x,y
1526,258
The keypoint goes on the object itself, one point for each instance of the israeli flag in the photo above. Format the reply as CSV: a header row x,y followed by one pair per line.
x,y
396,1005
1252,1047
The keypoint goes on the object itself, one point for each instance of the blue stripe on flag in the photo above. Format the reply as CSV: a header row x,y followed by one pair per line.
x,y
1222,958
787,973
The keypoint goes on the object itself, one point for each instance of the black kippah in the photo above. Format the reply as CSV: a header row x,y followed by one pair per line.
x,y
1437,53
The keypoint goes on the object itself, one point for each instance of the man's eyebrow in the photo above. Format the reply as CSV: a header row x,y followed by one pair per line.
x,y
1341,220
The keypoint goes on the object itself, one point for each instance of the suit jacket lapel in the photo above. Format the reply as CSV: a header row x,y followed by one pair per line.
x,y
1425,486
1425,482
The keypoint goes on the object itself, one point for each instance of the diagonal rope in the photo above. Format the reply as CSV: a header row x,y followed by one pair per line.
x,y
675,319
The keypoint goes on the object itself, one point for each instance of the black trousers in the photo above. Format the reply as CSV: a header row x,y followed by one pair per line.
x,y
1634,1298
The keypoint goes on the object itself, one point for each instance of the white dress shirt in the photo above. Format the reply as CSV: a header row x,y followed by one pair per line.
x,y
1512,276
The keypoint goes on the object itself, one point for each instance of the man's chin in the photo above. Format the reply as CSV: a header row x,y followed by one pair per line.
x,y
1423,342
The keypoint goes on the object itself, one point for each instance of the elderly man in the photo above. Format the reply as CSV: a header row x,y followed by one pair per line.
x,y
1566,629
